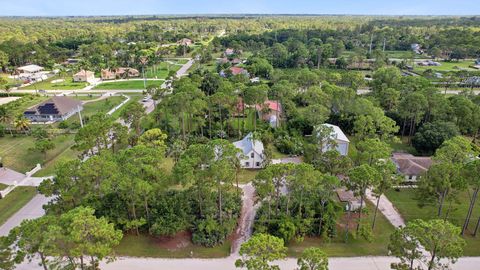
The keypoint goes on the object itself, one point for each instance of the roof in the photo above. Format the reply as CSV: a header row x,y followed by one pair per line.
x,y
408,164
337,133
273,105
31,68
346,195
55,105
237,70
247,145
229,51
82,73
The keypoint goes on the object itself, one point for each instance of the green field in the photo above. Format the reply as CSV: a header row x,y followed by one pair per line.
x,y
17,153
18,106
126,85
14,201
92,108
144,246
356,246
161,70
407,204
67,84
447,66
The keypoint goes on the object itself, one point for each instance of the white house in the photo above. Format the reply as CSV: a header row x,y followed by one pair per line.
x,y
341,140
252,150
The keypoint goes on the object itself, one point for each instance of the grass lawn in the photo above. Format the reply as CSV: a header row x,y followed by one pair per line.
x,y
246,176
92,108
16,153
20,105
14,201
355,247
161,70
126,85
133,98
447,66
276,154
67,84
406,203
3,186
144,246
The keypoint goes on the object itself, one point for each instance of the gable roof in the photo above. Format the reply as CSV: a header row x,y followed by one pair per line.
x,y
408,164
247,145
82,73
55,105
337,133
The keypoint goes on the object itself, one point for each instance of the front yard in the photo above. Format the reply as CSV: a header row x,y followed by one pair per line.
x,y
60,83
405,200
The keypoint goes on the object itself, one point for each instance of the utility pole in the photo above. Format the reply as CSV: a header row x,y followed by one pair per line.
x,y
80,116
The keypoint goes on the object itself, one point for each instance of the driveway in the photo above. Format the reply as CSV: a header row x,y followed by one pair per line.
x,y
33,209
10,177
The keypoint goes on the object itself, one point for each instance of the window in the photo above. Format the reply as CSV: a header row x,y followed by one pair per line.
x,y
257,164
252,155
247,164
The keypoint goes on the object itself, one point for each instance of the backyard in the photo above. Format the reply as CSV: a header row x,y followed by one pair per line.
x,y
406,201
448,66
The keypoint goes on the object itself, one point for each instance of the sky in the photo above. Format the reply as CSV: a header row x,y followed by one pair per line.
x,y
161,7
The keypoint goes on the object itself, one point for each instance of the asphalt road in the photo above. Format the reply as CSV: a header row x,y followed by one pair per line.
x,y
31,210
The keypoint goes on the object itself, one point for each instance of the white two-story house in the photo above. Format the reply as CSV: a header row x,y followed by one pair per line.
x,y
253,152
341,140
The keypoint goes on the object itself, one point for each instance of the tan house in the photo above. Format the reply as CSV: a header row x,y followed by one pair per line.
x,y
84,76
107,74
119,73
126,72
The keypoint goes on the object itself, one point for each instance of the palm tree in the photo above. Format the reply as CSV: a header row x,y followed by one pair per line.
x,y
22,124
5,117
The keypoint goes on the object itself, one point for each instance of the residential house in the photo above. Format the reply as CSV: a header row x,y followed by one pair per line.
x,y
416,48
185,42
270,111
84,76
253,152
341,141
411,166
123,72
29,69
107,74
238,71
55,109
229,51
346,196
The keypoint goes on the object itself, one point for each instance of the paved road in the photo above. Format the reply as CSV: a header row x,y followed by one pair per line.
x,y
387,209
31,210
183,70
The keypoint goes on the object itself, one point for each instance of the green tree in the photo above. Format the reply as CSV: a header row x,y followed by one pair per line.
x,y
43,146
133,113
259,251
405,246
359,179
153,138
471,173
313,259
387,171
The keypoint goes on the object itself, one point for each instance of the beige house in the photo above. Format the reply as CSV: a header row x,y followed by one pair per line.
x,y
84,76
107,74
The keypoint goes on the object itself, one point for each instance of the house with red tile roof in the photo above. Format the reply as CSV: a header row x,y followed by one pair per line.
x,y
271,111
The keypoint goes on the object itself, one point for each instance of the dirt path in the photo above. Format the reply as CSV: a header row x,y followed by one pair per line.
x,y
245,226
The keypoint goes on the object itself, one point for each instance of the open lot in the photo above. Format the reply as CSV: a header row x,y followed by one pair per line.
x,y
67,84
17,153
406,202
161,70
179,247
126,85
356,246
447,66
